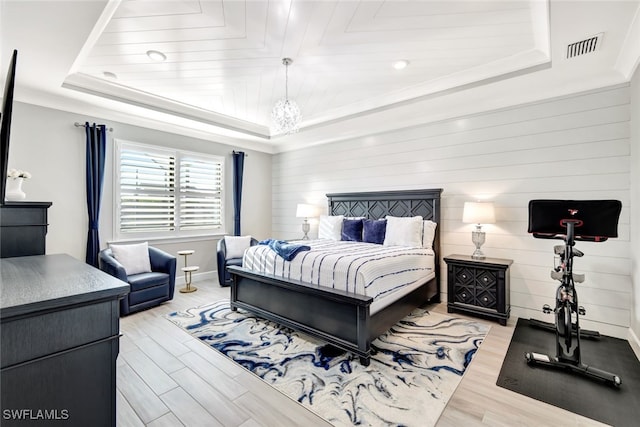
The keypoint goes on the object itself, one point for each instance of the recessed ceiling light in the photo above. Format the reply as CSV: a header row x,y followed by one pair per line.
x,y
110,75
156,56
400,65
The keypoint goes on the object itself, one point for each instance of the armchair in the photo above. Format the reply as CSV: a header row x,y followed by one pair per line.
x,y
147,289
224,278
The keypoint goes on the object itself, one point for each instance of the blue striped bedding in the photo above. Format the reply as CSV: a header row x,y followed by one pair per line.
x,y
362,268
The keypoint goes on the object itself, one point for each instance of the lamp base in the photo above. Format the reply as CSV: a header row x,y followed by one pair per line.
x,y
478,238
305,229
478,254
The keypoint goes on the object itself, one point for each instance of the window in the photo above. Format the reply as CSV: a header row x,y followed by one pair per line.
x,y
163,192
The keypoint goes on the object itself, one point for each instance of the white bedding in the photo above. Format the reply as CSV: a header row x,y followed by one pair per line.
x,y
363,268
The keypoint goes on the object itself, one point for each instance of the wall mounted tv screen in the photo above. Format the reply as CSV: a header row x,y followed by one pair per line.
x,y
5,131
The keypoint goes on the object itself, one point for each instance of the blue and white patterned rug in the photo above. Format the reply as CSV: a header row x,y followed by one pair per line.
x,y
415,369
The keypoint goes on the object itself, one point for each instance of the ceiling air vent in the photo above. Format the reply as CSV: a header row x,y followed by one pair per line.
x,y
584,46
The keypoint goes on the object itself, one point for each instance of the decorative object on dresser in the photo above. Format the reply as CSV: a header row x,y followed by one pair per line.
x,y
341,317
229,252
150,272
15,179
478,213
188,270
479,287
60,332
305,211
23,228
414,370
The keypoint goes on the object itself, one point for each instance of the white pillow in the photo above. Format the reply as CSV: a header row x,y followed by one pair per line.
x,y
236,245
134,258
428,234
330,227
403,231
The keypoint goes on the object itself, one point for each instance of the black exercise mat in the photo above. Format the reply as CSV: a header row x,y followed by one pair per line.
x,y
575,393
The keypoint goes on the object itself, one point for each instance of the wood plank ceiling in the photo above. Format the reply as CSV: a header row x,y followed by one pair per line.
x,y
226,56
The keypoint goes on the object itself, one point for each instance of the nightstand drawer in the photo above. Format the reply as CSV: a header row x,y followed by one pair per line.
x,y
475,286
479,287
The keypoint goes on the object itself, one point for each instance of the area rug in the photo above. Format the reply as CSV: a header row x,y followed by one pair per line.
x,y
414,370
575,393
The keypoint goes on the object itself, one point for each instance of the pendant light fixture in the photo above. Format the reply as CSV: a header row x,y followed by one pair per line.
x,y
286,115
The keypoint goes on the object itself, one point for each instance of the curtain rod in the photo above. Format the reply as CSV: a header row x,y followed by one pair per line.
x,y
245,154
80,125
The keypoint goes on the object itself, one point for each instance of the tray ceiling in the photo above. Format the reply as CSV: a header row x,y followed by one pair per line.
x,y
223,58
223,70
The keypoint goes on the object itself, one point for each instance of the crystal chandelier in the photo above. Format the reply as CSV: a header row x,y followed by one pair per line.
x,y
286,115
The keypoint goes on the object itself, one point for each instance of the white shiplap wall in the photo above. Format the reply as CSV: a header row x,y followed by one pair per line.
x,y
573,147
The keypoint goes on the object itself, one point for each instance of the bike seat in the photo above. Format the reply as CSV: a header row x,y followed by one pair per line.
x,y
578,278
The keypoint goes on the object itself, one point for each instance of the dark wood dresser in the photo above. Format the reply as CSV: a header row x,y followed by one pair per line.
x,y
60,339
479,287
23,228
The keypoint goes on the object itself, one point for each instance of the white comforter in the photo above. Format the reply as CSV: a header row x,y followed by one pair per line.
x,y
361,268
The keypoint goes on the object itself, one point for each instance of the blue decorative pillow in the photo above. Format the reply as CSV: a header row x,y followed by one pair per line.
x,y
374,230
352,230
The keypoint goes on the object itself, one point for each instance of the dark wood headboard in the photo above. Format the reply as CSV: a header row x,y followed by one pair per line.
x,y
378,204
402,203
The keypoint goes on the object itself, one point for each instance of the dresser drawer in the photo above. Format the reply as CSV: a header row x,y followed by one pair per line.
x,y
19,215
57,331
76,387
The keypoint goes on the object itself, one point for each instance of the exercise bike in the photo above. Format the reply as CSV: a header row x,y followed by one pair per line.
x,y
569,220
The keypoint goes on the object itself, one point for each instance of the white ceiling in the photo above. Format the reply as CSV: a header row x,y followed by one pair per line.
x,y
224,71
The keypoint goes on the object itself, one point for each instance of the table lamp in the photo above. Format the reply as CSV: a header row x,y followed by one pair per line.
x,y
305,211
478,213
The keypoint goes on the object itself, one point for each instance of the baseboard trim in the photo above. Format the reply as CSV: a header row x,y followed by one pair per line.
x,y
634,342
195,277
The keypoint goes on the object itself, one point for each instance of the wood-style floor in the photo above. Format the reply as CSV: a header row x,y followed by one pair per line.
x,y
165,377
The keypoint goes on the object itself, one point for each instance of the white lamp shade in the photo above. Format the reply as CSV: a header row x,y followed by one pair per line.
x,y
305,211
478,213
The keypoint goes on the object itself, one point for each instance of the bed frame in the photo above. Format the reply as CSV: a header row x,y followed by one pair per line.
x,y
338,317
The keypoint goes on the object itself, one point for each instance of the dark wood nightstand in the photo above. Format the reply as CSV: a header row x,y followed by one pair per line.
x,y
478,287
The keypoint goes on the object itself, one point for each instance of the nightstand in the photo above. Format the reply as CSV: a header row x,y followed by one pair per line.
x,y
478,287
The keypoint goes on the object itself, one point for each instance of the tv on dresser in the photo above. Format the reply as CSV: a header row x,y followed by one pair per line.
x,y
23,225
5,122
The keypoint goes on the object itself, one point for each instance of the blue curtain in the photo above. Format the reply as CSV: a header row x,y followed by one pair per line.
x,y
96,152
238,169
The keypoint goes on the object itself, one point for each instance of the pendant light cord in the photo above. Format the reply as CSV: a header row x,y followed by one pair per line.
x,y
286,81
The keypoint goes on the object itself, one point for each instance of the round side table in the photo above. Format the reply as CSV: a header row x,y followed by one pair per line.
x,y
187,272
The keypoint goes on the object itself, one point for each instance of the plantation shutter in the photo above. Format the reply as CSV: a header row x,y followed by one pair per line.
x,y
200,193
147,190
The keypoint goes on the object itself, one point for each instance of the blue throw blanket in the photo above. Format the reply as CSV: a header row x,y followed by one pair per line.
x,y
286,250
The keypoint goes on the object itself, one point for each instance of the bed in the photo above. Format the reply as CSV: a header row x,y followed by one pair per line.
x,y
342,318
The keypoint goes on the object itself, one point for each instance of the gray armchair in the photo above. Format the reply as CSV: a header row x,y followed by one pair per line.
x,y
147,289
224,278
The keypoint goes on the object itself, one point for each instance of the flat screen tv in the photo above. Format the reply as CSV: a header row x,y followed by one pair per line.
x,y
5,130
